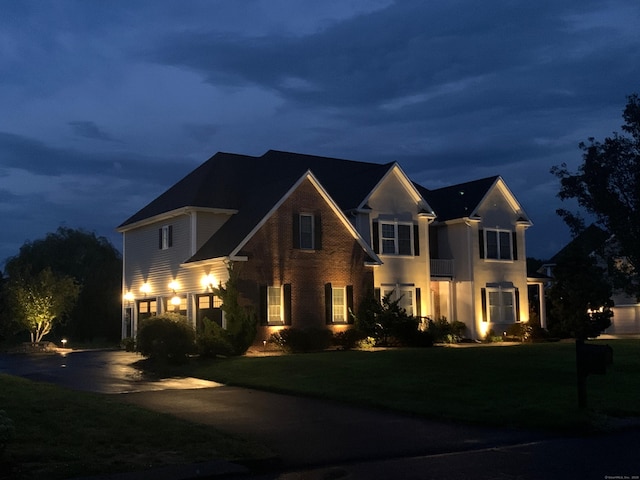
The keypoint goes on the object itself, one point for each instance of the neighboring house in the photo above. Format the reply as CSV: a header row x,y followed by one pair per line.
x,y
312,236
597,243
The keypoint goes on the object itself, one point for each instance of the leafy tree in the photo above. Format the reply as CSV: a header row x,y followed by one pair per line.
x,y
41,299
241,321
607,185
579,298
95,265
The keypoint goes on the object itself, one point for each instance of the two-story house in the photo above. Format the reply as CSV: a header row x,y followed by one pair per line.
x,y
312,236
478,252
297,227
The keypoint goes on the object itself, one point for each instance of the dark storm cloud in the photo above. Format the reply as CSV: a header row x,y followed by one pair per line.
x,y
111,103
88,129
407,49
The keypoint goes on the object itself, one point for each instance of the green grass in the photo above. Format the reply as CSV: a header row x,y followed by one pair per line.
x,y
61,433
527,386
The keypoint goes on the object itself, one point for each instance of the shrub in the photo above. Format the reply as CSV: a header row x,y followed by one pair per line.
x,y
129,344
445,332
296,340
213,340
347,339
367,343
520,331
386,321
166,337
7,431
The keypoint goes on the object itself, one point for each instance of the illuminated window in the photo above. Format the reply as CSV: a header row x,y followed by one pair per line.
x,y
147,308
339,304
396,238
274,305
209,306
177,304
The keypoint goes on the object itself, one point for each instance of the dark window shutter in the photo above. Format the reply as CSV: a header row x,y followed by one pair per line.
x,y
160,238
481,242
350,311
517,294
296,230
286,303
262,299
376,294
404,239
375,236
317,231
170,234
328,303
483,294
514,243
418,303
416,240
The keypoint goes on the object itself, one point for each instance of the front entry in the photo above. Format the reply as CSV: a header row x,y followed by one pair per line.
x,y
208,306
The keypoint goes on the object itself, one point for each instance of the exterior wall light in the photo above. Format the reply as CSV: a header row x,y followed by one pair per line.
x,y
128,296
208,281
145,288
174,285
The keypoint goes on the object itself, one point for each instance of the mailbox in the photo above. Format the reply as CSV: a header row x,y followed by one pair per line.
x,y
595,358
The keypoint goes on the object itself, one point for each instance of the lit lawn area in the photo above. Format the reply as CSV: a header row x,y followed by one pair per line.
x,y
61,433
526,386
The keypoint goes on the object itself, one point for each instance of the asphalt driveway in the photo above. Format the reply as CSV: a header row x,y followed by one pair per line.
x,y
324,439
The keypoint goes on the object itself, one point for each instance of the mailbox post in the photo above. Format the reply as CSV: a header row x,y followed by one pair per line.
x,y
590,359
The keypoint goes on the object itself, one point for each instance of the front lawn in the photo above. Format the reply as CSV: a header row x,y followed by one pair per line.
x,y
61,433
528,385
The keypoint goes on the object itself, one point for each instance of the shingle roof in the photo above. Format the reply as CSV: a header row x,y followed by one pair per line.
x,y
590,240
457,201
253,185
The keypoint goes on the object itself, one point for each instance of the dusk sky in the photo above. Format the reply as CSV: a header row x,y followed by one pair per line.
x,y
105,104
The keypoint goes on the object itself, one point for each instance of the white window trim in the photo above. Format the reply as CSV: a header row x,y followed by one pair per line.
x,y
165,237
501,306
486,245
343,308
396,238
272,320
396,292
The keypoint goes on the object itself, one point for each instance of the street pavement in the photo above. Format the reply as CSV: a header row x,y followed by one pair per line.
x,y
318,439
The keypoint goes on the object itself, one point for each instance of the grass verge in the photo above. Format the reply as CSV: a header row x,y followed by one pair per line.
x,y
524,386
61,433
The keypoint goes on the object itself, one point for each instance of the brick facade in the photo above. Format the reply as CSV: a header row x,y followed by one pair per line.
x,y
274,260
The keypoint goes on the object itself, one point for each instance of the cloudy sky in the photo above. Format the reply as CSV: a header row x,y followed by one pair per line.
x,y
106,104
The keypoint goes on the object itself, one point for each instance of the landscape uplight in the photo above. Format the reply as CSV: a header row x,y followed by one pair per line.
x,y
64,343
